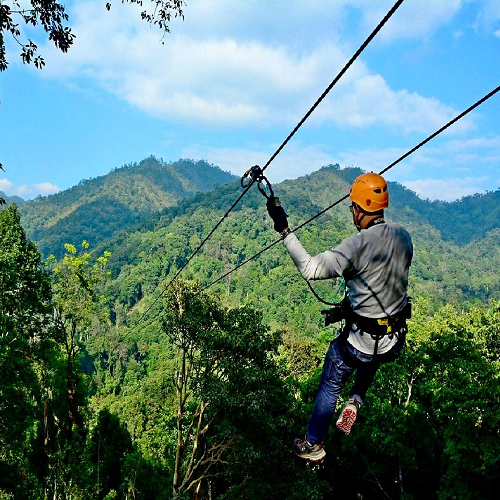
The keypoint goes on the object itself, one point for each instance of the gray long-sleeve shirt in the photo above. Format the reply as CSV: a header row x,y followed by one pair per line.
x,y
374,263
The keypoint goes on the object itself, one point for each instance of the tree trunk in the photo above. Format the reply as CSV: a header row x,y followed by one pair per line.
x,y
181,387
71,386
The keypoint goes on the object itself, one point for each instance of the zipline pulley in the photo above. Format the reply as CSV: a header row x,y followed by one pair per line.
x,y
255,174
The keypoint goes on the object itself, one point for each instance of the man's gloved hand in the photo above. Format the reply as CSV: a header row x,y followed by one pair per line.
x,y
276,212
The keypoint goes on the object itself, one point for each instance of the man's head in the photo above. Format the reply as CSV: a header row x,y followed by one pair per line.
x,y
369,196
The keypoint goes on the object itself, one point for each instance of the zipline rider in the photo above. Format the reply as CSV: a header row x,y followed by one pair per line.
x,y
374,264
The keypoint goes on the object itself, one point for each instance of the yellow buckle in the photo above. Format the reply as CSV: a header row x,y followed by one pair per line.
x,y
385,322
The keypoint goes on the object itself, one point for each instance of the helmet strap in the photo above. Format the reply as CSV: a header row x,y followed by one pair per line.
x,y
360,215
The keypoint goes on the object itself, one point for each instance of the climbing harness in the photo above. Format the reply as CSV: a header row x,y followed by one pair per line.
x,y
378,328
383,326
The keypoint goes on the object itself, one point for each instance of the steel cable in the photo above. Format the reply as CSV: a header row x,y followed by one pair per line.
x,y
285,142
340,200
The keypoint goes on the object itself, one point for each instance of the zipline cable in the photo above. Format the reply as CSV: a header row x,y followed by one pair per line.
x,y
285,142
340,200
335,80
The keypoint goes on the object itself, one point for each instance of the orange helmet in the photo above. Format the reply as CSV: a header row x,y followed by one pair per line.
x,y
369,191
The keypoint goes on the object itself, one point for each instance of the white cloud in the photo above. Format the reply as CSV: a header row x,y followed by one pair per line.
x,y
226,76
413,19
45,188
294,161
254,18
27,191
488,15
453,155
6,185
447,189
497,33
369,100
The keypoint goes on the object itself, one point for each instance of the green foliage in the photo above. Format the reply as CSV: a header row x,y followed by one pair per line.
x,y
110,444
430,425
465,220
442,272
202,398
24,336
78,311
97,208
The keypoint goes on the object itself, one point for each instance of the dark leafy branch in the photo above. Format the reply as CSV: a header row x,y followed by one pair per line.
x,y
52,17
48,14
162,13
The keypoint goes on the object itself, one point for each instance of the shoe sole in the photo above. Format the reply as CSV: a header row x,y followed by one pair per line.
x,y
346,421
311,458
318,457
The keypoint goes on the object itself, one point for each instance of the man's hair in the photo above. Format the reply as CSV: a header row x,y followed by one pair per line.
x,y
380,212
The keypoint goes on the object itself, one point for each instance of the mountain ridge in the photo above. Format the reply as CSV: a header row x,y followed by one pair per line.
x,y
96,208
141,193
11,199
146,258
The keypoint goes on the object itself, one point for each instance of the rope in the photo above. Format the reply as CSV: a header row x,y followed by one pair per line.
x,y
340,200
285,142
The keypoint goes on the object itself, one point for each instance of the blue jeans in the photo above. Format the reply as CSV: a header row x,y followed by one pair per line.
x,y
341,360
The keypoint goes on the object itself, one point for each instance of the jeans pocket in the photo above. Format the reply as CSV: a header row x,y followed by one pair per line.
x,y
335,367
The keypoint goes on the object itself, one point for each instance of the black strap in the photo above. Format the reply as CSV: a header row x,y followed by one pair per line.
x,y
375,222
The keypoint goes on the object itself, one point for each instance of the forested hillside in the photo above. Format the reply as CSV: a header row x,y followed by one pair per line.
x,y
96,208
11,199
132,387
443,271
462,221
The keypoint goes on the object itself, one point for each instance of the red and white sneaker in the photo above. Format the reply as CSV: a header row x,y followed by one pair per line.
x,y
348,415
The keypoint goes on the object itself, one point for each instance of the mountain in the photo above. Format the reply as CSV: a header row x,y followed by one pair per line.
x,y
11,199
96,208
461,222
443,270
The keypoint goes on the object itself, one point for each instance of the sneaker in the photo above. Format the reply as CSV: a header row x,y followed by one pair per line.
x,y
348,415
308,451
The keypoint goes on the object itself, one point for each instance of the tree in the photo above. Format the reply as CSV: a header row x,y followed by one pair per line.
x,y
25,340
52,17
192,323
78,308
109,446
232,410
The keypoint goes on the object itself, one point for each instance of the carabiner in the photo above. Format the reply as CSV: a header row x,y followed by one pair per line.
x,y
262,187
255,174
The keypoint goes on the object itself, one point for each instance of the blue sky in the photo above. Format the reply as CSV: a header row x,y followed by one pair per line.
x,y
231,81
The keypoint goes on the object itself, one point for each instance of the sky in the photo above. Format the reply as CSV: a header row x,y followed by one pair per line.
x,y
231,81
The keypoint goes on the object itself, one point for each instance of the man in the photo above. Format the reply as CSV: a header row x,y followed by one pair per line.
x,y
375,265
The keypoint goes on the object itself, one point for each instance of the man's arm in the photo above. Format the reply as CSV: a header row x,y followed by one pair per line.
x,y
330,264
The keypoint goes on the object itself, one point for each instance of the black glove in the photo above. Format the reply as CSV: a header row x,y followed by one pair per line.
x,y
276,212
